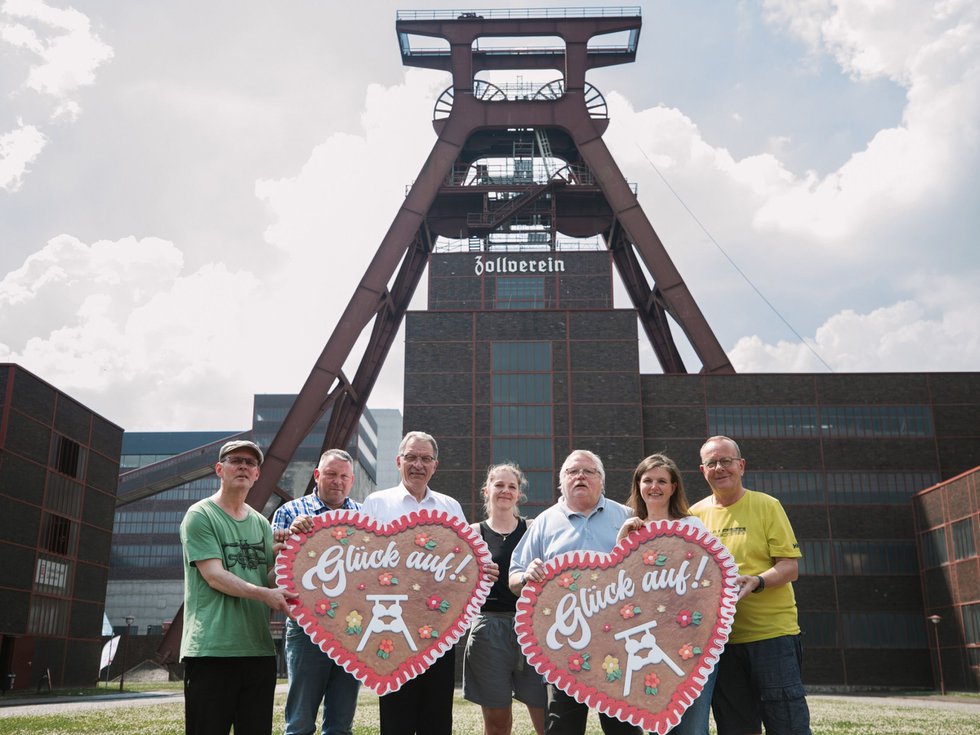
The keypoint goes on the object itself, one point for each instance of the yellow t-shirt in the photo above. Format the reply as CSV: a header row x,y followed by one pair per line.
x,y
756,530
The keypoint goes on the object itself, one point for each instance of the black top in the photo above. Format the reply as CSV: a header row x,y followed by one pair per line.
x,y
501,546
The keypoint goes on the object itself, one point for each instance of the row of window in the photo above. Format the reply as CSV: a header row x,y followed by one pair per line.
x,y
863,630
830,421
144,522
935,551
858,558
841,488
129,556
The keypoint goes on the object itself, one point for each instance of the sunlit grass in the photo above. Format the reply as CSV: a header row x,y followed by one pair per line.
x,y
832,715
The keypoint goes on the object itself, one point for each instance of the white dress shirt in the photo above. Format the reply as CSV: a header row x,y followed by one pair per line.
x,y
387,505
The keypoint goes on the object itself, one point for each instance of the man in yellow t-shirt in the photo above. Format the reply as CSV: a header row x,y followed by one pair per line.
x,y
759,680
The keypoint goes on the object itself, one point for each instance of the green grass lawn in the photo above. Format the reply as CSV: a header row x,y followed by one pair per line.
x,y
832,715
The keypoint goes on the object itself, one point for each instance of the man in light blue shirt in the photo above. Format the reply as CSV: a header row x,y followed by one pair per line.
x,y
583,519
314,678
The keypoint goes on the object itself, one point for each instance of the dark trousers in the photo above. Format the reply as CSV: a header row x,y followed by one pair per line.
x,y
424,706
565,716
223,692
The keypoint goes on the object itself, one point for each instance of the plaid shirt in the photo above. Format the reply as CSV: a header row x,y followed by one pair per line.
x,y
307,505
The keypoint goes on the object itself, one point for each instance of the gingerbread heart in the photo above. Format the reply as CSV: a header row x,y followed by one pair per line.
x,y
633,633
385,601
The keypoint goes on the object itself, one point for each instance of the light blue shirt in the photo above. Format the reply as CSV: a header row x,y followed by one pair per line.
x,y
560,529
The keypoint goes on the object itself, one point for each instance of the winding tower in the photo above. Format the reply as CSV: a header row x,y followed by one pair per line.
x,y
516,167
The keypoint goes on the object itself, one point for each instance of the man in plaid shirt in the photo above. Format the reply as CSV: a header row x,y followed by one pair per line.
x,y
314,678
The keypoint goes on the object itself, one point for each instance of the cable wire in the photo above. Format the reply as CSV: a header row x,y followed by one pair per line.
x,y
734,265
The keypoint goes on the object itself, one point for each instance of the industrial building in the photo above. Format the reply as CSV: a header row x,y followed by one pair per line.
x,y
59,465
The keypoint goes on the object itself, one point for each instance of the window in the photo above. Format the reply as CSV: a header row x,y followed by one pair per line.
x,y
816,558
51,576
69,457
515,292
876,488
521,356
48,616
819,629
522,413
58,535
963,544
836,421
875,557
883,630
934,547
795,488
971,622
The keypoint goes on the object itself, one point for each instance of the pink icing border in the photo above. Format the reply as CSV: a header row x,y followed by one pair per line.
x,y
413,665
689,689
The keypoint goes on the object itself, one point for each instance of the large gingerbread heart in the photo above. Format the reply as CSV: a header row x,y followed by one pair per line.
x,y
385,601
633,633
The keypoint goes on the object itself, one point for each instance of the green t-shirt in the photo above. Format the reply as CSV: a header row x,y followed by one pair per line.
x,y
756,530
216,624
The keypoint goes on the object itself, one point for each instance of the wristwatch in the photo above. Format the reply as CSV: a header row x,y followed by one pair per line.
x,y
761,586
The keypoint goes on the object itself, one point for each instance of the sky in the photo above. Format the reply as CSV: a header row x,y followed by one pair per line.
x,y
190,192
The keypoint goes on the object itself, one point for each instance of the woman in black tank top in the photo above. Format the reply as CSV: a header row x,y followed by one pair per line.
x,y
494,668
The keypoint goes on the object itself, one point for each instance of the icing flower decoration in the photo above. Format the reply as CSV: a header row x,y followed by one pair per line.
x,y
325,607
650,557
686,651
365,539
416,587
425,541
568,580
354,620
610,664
594,576
456,549
546,612
684,618
579,662
606,628
437,603
311,554
339,533
426,631
650,683
661,608
386,579
705,582
628,611
461,578
385,647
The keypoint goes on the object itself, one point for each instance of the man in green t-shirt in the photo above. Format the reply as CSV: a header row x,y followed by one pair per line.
x,y
759,680
227,650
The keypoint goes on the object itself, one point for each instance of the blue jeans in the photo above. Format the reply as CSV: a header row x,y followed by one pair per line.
x,y
694,721
314,678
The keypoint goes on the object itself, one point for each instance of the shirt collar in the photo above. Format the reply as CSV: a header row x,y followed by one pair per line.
x,y
563,507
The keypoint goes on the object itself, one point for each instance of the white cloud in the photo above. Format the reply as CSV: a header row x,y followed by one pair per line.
x,y
118,325
68,49
18,149
933,330
931,49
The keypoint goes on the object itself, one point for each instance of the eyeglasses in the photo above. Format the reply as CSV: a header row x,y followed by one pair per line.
x,y
587,471
425,459
724,462
239,461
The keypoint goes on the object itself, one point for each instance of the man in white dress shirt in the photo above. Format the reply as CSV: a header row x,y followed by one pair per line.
x,y
423,705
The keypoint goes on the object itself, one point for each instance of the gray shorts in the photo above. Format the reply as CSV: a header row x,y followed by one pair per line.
x,y
494,668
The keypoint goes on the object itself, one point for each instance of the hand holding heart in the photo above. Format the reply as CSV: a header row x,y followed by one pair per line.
x,y
385,601
633,633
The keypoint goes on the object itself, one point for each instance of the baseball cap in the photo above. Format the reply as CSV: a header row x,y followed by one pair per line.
x,y
241,444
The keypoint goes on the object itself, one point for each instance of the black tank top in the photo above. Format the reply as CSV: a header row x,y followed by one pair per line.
x,y
501,599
